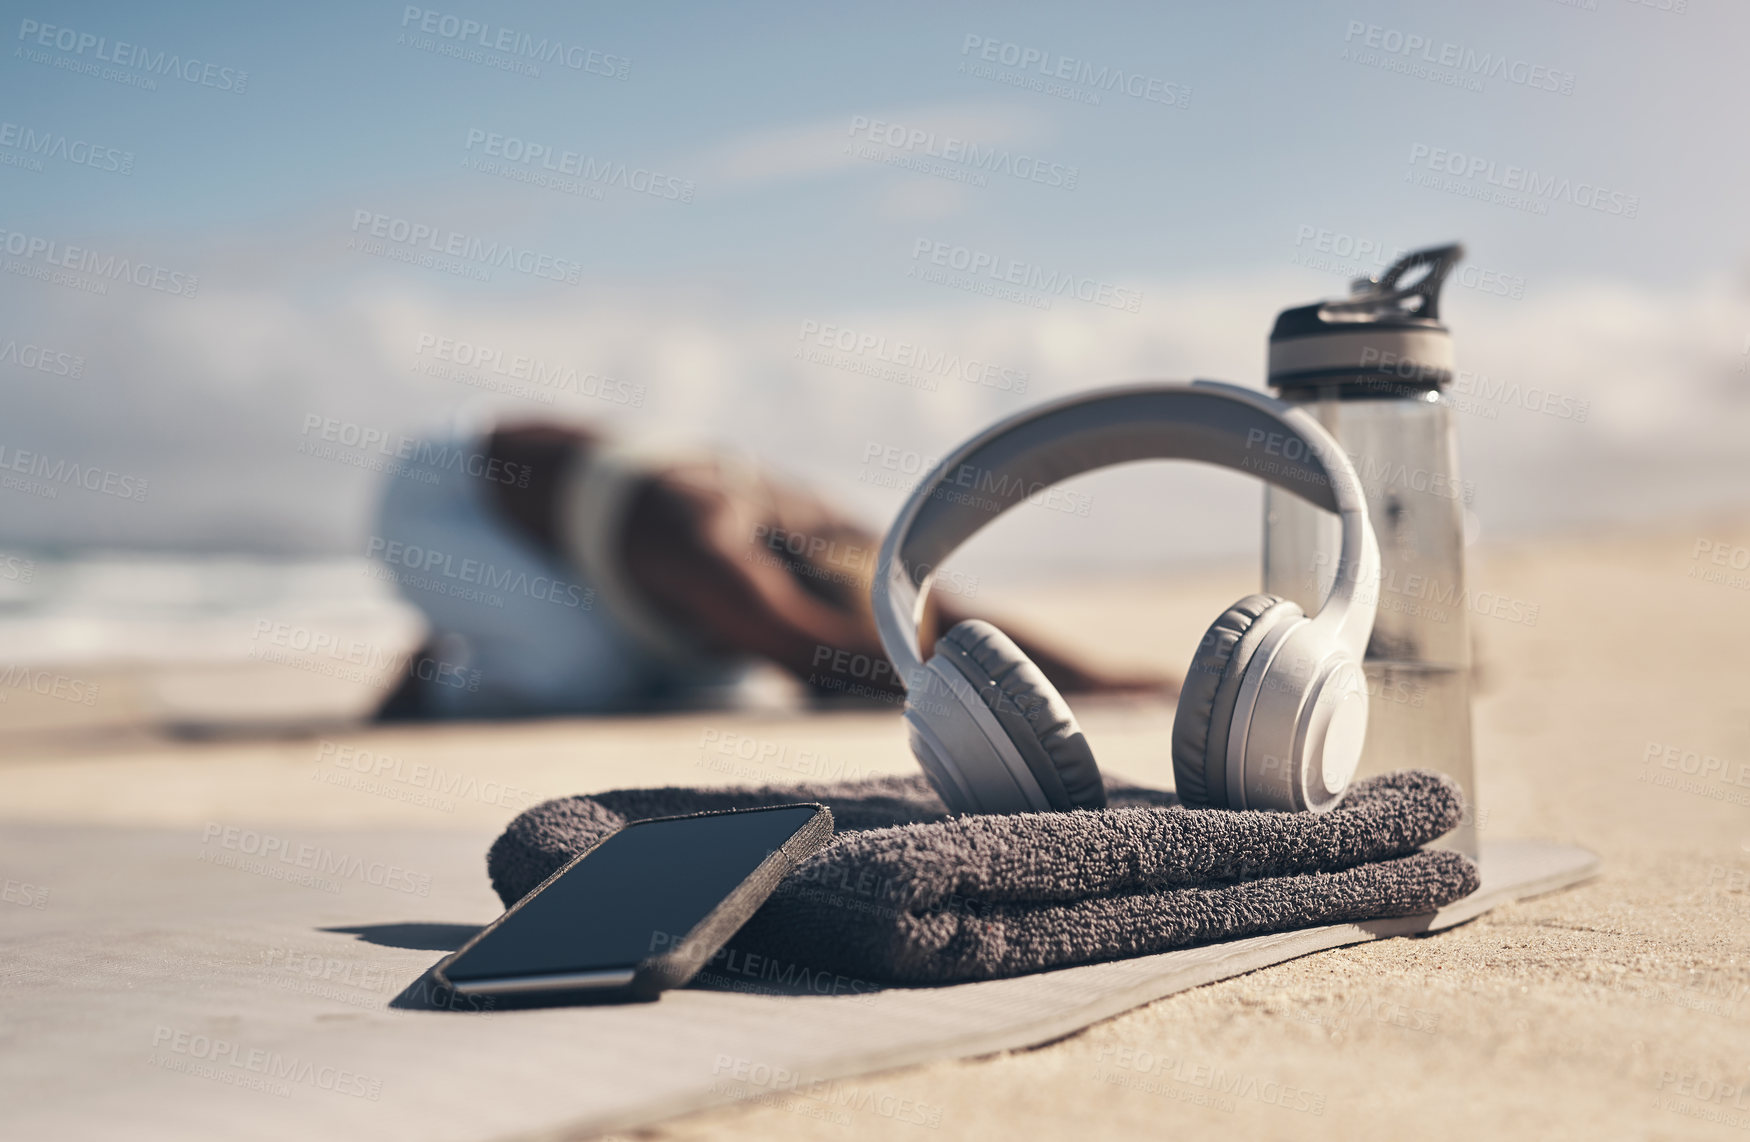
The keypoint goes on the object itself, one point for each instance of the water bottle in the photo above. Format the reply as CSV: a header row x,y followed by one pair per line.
x,y
1373,368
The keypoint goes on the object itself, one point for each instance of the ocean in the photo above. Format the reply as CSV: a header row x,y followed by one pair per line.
x,y
191,642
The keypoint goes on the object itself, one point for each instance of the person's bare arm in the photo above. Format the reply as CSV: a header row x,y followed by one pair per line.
x,y
1065,672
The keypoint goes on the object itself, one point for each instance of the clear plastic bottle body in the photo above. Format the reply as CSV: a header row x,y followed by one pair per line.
x,y
1418,663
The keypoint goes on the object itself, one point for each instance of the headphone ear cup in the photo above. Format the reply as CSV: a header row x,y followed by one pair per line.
x,y
1031,712
1206,701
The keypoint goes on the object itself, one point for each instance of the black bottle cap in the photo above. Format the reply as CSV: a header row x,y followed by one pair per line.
x,y
1384,339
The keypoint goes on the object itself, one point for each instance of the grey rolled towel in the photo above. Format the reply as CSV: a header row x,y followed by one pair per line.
x,y
905,893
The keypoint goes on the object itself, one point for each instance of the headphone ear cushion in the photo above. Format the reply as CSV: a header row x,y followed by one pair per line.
x,y
1031,712
1206,700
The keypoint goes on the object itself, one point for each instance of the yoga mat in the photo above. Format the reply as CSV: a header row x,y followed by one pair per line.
x,y
267,982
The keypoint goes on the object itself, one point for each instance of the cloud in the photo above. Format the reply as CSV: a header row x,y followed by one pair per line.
x,y
210,399
922,200
823,147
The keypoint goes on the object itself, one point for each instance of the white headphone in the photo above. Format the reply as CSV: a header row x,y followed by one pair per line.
x,y
1274,707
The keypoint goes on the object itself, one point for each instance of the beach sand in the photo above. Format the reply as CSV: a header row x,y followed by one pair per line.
x,y
1618,1009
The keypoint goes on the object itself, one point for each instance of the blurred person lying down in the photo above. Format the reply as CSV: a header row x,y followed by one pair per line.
x,y
565,572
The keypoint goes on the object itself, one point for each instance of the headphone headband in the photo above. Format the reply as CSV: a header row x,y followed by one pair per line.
x,y
1220,424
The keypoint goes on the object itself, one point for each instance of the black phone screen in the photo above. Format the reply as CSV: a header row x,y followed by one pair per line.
x,y
642,889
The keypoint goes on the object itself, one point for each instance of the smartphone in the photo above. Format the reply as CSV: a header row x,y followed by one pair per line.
x,y
641,911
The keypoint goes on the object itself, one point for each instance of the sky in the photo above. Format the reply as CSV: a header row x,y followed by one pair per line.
x,y
358,222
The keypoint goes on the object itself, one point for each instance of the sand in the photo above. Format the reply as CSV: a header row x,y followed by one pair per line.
x,y
1619,1009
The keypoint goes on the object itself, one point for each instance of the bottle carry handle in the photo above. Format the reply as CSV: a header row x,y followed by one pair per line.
x,y
1371,293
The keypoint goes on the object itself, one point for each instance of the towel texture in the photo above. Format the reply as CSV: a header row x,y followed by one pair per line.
x,y
906,893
